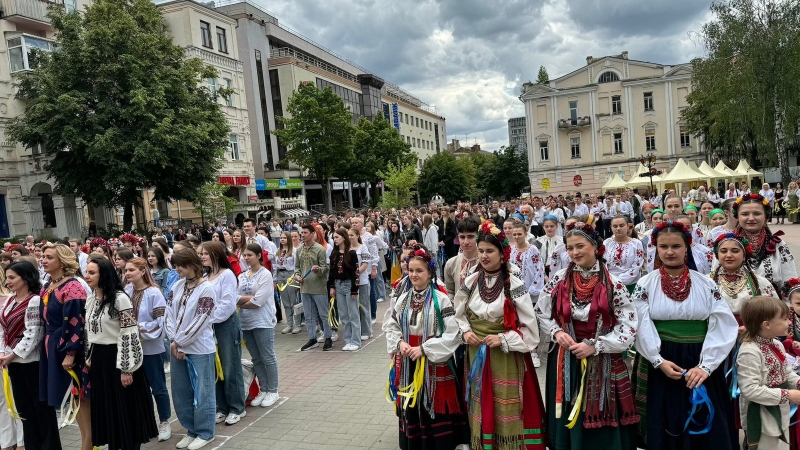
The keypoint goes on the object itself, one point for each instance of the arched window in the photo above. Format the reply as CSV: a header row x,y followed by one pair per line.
x,y
608,77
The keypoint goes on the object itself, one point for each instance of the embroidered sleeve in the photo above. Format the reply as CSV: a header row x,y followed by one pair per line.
x,y
449,311
544,306
391,327
647,341
444,343
73,298
621,337
34,330
151,315
199,319
722,332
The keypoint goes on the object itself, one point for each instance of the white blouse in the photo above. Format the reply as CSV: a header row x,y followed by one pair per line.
x,y
283,263
704,258
189,319
531,268
440,344
364,257
120,330
27,350
559,260
261,287
698,236
224,287
527,337
619,339
624,260
549,245
151,316
742,297
705,302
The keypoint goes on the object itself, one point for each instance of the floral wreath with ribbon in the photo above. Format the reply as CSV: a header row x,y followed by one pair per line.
x,y
760,198
669,223
418,251
488,228
99,242
731,236
129,238
12,247
790,287
587,231
113,241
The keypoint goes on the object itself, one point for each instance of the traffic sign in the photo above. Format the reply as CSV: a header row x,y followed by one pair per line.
x,y
545,183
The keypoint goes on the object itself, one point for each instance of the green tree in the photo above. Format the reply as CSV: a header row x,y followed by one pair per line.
x,y
746,93
542,77
483,163
508,173
319,134
376,144
400,180
443,174
118,107
213,203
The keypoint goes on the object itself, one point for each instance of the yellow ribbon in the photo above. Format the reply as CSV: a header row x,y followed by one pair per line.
x,y
573,416
411,392
281,287
71,403
218,366
332,315
12,410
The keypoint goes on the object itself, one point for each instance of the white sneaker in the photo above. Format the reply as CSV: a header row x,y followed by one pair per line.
x,y
320,339
164,431
350,348
286,330
374,320
259,398
184,442
296,330
166,367
219,418
270,399
536,361
364,337
234,418
381,300
199,443
335,336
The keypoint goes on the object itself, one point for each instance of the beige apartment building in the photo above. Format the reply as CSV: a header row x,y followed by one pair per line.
x,y
599,120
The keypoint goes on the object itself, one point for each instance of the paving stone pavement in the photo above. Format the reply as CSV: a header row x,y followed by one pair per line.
x,y
329,400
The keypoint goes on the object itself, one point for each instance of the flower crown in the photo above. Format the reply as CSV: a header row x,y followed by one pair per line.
x,y
587,231
113,241
730,236
98,242
790,287
488,228
127,237
417,251
13,246
687,233
760,198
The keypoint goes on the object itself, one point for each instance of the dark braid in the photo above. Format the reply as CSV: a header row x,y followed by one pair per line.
x,y
506,278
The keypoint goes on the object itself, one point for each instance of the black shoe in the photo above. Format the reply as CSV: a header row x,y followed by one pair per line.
x,y
328,345
312,343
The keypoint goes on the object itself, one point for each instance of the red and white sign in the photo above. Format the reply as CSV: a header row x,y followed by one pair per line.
x,y
577,180
235,181
253,198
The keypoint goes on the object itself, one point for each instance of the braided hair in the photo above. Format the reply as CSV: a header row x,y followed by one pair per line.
x,y
590,234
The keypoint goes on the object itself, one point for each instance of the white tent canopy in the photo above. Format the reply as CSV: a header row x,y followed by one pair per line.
x,y
711,172
722,168
637,180
683,172
744,169
615,182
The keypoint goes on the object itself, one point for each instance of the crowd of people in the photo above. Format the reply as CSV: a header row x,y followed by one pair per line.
x,y
664,318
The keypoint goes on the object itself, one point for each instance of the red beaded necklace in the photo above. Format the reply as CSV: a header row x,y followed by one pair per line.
x,y
584,288
676,288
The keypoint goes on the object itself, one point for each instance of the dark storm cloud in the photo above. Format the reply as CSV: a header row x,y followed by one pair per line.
x,y
636,17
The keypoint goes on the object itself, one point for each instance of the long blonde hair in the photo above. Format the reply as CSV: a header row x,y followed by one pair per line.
x,y
67,258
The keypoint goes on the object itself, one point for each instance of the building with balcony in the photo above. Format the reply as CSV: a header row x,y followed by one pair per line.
x,y
517,134
27,202
276,60
600,119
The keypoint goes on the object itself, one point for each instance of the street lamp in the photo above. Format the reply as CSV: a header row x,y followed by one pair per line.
x,y
649,161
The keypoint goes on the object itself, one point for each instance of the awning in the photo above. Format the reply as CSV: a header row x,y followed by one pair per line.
x,y
294,212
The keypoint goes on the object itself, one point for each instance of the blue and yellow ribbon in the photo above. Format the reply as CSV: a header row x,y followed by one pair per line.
x,y
218,366
193,379
71,403
12,410
411,392
573,415
391,388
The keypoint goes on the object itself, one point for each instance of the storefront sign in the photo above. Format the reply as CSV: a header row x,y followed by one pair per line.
x,y
281,183
235,181
396,116
261,185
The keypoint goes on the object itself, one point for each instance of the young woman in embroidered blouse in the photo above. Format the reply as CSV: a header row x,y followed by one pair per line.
x,y
624,254
588,312
704,225
421,329
122,408
21,334
364,330
737,282
189,327
559,260
284,268
256,302
698,237
64,310
729,224
686,330
703,256
227,331
149,306
121,258
549,242
496,317
238,245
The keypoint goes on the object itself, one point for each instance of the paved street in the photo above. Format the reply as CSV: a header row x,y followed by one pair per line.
x,y
329,400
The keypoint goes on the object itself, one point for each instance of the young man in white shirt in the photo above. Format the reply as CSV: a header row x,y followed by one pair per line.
x,y
580,207
83,258
251,237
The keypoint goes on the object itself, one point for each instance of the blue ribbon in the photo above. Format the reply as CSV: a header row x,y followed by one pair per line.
x,y
792,410
476,371
193,379
730,371
392,386
698,398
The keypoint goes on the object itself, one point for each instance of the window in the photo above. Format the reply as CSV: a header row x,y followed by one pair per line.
x,y
71,5
229,98
413,142
575,145
212,85
22,49
616,104
608,77
686,140
222,40
235,147
544,151
205,34
573,110
617,143
408,139
648,101
650,140
417,122
406,119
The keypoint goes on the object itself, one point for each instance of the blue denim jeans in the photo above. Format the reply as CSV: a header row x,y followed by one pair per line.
x,y
260,343
349,323
230,391
381,284
373,297
153,366
199,420
315,308
364,309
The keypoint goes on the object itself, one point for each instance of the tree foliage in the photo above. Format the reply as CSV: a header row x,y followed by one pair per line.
x,y
542,77
213,203
376,144
481,163
443,174
400,182
119,109
746,92
507,174
319,133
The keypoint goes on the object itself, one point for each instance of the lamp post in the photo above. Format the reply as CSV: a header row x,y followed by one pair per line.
x,y
649,161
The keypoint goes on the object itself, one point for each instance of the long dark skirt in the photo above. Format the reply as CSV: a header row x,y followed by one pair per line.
x,y
580,438
122,417
418,431
668,406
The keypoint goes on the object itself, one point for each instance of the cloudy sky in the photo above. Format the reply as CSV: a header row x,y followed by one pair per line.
x,y
469,57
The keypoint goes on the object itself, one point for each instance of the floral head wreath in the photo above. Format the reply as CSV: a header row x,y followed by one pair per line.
x,y
113,241
790,287
417,251
127,237
764,202
668,223
488,228
13,246
99,242
589,233
741,240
